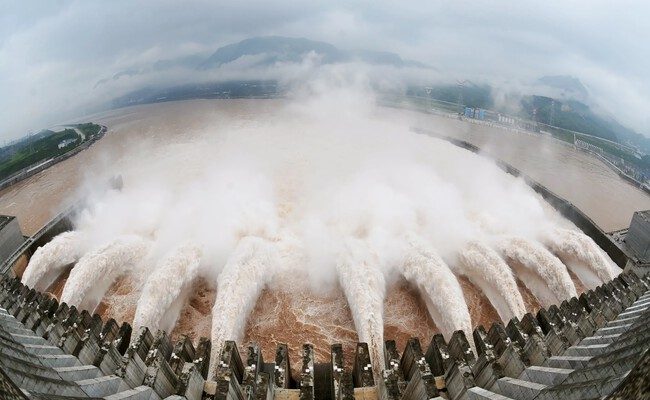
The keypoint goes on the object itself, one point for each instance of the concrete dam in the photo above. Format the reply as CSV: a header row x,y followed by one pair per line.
x,y
588,347
591,345
519,294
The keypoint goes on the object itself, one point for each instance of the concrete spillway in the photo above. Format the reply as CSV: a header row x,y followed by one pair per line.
x,y
553,354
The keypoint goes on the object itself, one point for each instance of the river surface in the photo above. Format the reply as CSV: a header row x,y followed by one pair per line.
x,y
286,314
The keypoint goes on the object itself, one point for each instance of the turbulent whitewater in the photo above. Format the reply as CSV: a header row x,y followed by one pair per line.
x,y
583,256
238,286
98,269
48,261
328,188
161,297
483,266
543,273
365,289
438,286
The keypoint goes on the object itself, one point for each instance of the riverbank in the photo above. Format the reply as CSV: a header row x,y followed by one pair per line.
x,y
35,169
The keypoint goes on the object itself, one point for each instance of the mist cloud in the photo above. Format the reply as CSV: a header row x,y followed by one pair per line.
x,y
324,203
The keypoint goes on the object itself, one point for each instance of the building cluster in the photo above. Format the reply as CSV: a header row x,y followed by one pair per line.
x,y
64,143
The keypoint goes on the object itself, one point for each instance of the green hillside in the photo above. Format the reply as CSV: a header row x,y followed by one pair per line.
x,y
41,147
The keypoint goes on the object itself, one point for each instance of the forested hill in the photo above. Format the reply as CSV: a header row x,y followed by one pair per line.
x,y
564,113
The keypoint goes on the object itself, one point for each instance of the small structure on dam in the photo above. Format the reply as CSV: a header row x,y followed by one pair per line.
x,y
638,236
11,236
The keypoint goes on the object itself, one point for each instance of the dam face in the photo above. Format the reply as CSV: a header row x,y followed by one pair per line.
x,y
591,344
575,350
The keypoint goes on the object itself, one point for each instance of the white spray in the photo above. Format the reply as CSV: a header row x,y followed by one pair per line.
x,y
239,284
583,256
48,261
542,272
348,175
487,270
167,289
365,289
97,270
443,295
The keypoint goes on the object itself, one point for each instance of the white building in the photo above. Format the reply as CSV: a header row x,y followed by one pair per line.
x,y
65,143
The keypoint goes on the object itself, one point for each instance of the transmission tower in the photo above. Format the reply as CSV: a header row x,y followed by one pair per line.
x,y
551,118
460,84
430,100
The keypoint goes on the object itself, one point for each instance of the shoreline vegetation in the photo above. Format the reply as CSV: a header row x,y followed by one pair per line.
x,y
34,153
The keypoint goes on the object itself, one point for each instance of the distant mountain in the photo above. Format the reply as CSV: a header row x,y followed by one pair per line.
x,y
269,50
274,49
384,58
569,86
188,62
569,114
183,62
578,116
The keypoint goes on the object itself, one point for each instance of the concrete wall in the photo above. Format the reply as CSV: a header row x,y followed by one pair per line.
x,y
11,238
582,348
638,236
59,224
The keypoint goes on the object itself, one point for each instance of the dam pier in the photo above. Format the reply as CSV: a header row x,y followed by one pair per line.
x,y
586,347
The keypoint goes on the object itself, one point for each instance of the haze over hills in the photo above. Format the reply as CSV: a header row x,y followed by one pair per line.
x,y
570,87
561,101
267,51
566,96
72,58
274,49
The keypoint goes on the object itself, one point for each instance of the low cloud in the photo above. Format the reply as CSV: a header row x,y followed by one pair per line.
x,y
53,55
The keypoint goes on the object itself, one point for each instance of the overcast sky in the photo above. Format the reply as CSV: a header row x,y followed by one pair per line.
x,y
52,53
